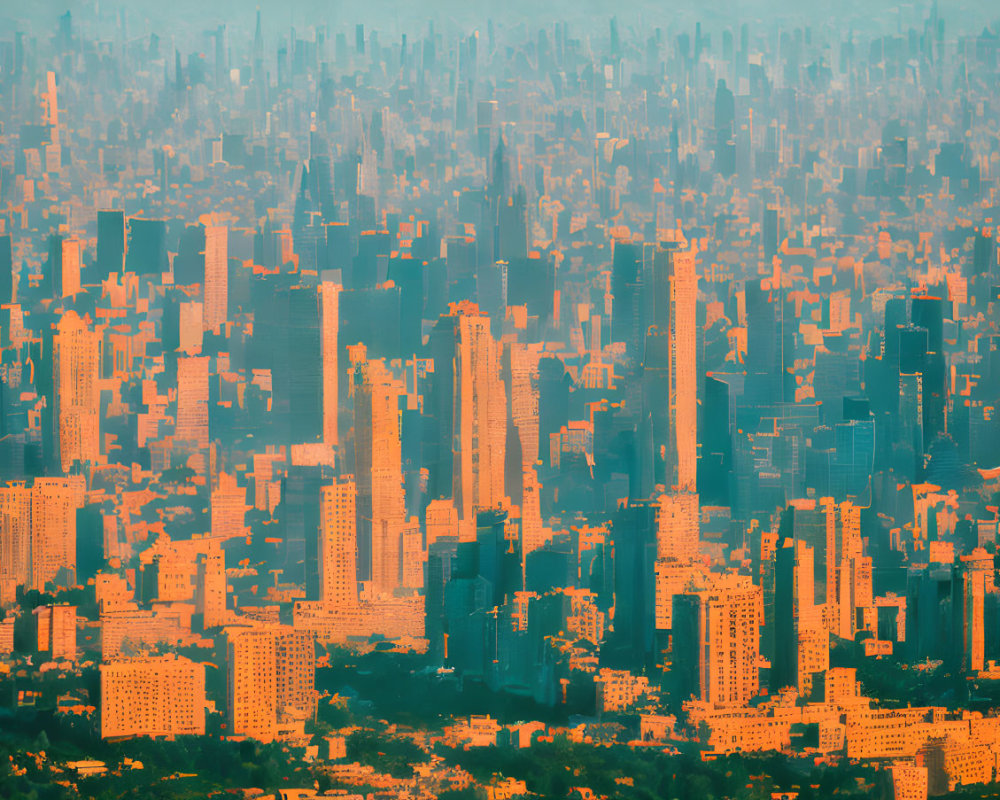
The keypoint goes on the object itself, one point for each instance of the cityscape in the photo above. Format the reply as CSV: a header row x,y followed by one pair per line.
x,y
476,401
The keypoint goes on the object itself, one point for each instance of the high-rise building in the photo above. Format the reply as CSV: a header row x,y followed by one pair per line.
x,y
626,280
54,503
38,534
63,279
288,340
381,506
55,629
76,392
842,572
50,105
190,318
471,410
338,545
147,246
669,369
252,683
329,301
228,507
210,587
716,640
15,540
683,444
110,243
520,373
152,696
677,527
295,680
192,400
766,356
216,276
802,641
271,674
979,582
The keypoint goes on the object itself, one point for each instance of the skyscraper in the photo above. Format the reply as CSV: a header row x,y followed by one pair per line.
x,y
338,541
716,640
216,276
54,503
381,507
683,446
192,400
15,540
801,635
252,683
76,393
55,628
329,302
471,407
670,368
677,527
271,673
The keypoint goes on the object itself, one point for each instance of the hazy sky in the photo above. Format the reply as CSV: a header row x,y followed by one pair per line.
x,y
390,17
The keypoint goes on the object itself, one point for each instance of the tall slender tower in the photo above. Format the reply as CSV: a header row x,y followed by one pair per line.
x,y
479,426
76,394
329,302
216,276
381,506
63,279
338,541
252,683
683,450
192,400
54,503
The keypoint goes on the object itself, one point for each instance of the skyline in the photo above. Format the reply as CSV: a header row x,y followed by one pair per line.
x,y
458,401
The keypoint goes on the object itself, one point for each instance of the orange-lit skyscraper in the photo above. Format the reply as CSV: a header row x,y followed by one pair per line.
x,y
38,534
329,316
76,365
381,507
50,106
683,451
216,276
677,526
669,367
802,647
210,588
54,503
192,400
271,680
338,574
472,403
228,507
252,683
55,629
716,640
15,540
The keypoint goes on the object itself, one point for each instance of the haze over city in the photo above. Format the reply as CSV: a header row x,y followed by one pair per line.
x,y
476,400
